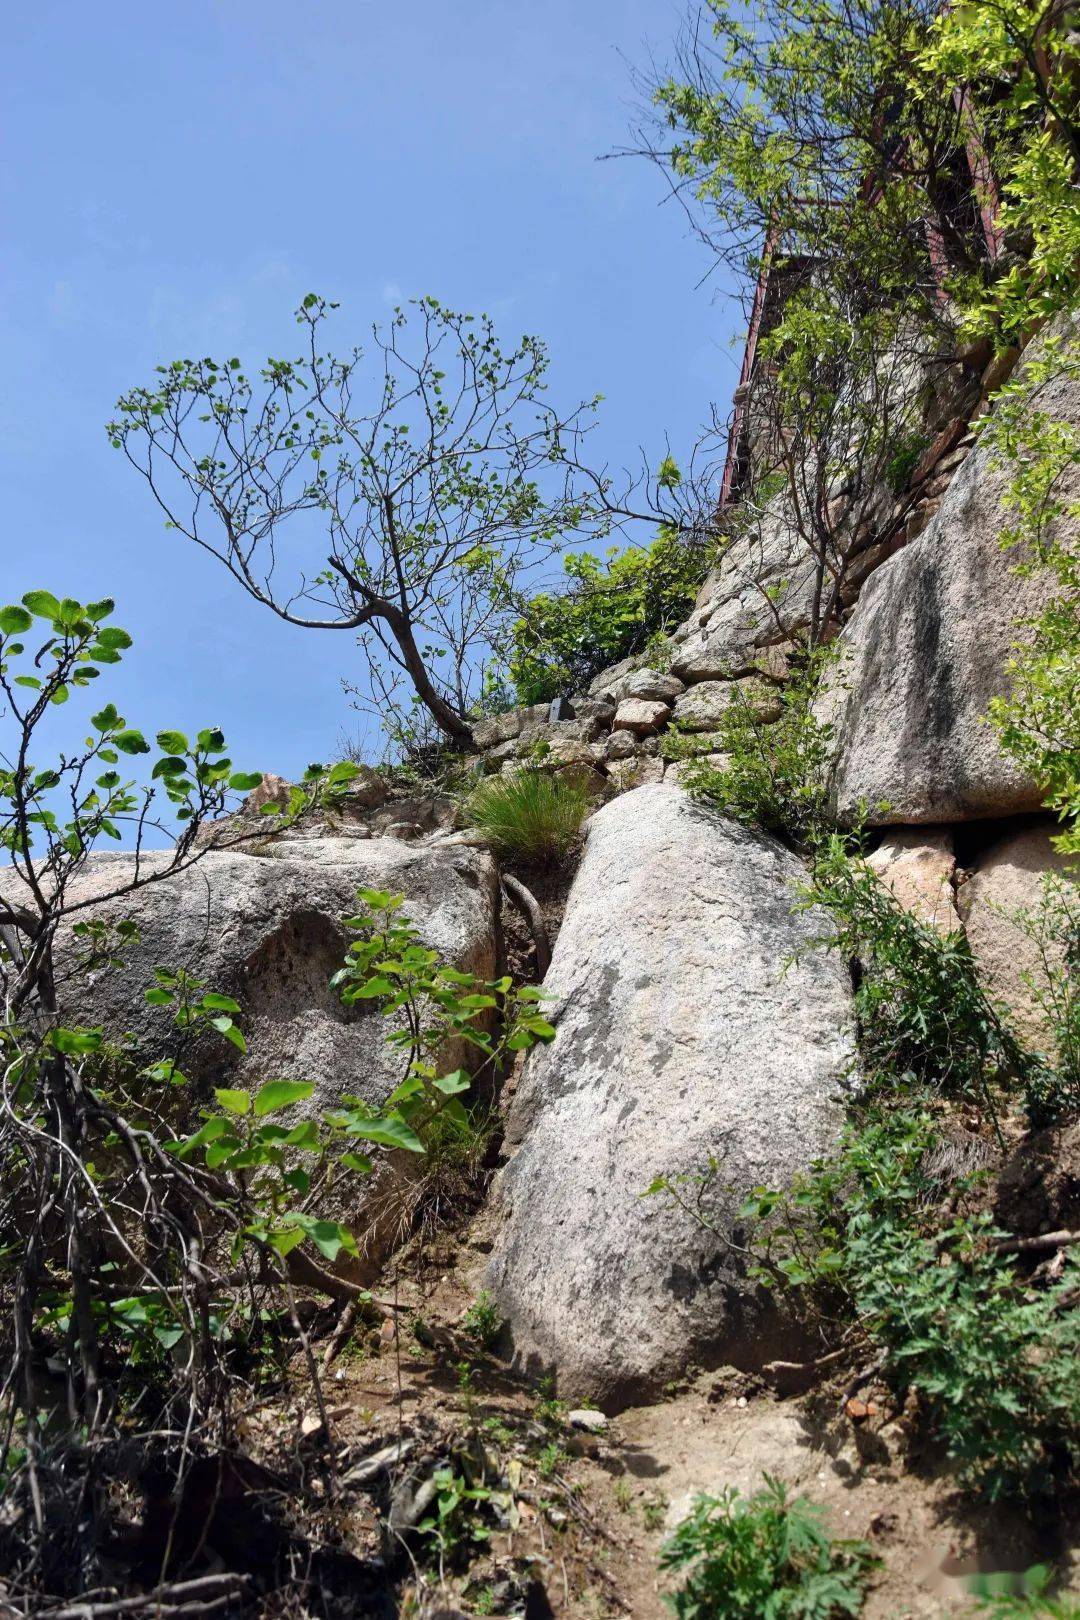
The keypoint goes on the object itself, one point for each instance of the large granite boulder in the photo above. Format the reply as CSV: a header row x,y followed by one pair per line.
x,y
267,929
684,1032
926,649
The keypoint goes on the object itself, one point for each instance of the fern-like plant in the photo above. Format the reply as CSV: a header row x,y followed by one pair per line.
x,y
764,1557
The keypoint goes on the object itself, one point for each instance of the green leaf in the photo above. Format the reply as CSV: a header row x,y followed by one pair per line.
x,y
99,610
276,1095
245,781
225,1026
305,1135
285,1238
172,742
214,1127
14,620
74,1042
213,1002
106,718
113,638
390,1131
237,1102
42,604
358,1162
59,694
218,1152
378,899
344,771
451,1084
370,989
131,742
329,1237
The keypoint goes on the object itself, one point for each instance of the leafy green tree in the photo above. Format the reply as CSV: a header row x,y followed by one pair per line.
x,y
410,495
790,133
1038,720
613,608
1016,63
403,494
849,149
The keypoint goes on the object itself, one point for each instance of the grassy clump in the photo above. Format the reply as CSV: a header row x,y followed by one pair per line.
x,y
531,815
764,1555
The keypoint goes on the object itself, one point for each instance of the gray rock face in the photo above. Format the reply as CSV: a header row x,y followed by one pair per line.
x,y
680,1036
267,929
607,683
758,594
925,651
501,728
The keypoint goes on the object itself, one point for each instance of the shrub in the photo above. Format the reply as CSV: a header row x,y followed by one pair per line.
x,y
908,453
997,1362
776,773
1053,927
156,1271
764,1556
613,608
1036,719
921,1009
532,814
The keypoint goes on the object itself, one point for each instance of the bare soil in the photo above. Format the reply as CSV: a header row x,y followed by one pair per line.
x,y
590,1523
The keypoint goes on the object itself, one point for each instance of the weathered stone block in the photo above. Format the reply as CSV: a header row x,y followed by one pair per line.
x,y
641,715
703,707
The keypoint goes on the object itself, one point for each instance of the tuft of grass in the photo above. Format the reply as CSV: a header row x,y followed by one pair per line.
x,y
532,814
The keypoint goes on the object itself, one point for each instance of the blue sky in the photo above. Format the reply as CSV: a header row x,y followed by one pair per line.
x,y
177,176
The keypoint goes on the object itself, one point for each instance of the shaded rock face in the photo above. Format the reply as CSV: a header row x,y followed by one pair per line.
x,y
1010,963
926,649
680,1036
268,930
